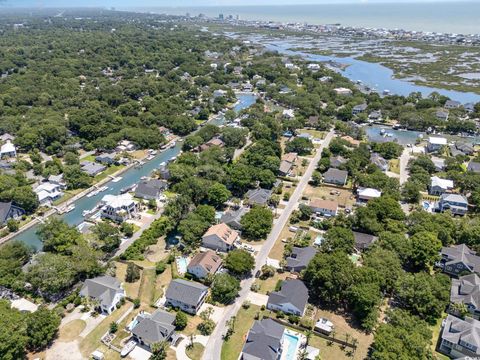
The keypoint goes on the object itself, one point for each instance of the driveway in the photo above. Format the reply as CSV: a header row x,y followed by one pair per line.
x,y
214,346
180,350
404,159
257,299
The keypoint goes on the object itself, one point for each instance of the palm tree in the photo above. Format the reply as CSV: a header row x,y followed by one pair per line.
x,y
159,350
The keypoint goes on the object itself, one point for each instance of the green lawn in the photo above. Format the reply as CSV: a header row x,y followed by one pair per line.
x,y
147,287
195,352
108,171
436,329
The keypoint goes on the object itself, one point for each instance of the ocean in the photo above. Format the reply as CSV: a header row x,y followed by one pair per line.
x,y
445,17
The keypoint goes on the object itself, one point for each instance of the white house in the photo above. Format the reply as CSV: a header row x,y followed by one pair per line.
x,y
48,192
366,194
220,237
439,186
343,91
119,207
436,143
288,113
324,207
8,150
107,291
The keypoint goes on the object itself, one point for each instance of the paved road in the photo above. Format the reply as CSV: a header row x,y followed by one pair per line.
x,y
404,158
213,348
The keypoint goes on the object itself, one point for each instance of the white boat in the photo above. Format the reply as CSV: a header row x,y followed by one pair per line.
x,y
103,188
117,179
150,157
128,348
382,132
70,208
90,194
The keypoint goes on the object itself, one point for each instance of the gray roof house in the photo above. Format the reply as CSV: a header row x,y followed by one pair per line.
x,y
9,211
474,166
451,104
465,148
163,172
377,160
466,290
459,260
457,204
258,196
106,290
300,258
154,328
264,341
460,338
291,299
363,241
233,217
186,295
150,189
357,109
91,168
337,161
106,158
335,176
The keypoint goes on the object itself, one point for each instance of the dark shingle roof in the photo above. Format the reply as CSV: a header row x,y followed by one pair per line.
x,y
156,327
301,257
263,341
293,291
187,292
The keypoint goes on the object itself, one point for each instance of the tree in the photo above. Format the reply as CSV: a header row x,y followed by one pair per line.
x,y
57,236
339,239
411,192
206,327
108,236
268,271
218,194
181,320
13,335
133,273
159,350
257,223
239,262
365,299
160,267
113,327
225,288
127,229
301,146
425,248
387,263
12,225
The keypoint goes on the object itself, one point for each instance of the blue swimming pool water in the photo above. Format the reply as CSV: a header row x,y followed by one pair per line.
x,y
290,345
182,263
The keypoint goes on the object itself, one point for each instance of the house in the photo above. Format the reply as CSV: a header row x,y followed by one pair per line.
x,y
189,296
358,109
375,115
351,141
8,150
337,161
291,298
163,172
474,167
220,237
119,207
458,260
106,291
299,258
325,79
460,339
465,148
343,91
469,107
290,157
57,180
324,207
466,290
213,142
258,196
457,204
450,104
439,186
377,160
313,66
125,145
439,163
150,189
335,176
9,211
288,113
363,241
6,137
204,264
91,168
106,158
48,193
367,194
264,341
153,328
455,152
442,115
285,168
435,143
233,218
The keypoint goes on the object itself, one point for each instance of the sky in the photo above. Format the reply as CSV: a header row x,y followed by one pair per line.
x,y
196,3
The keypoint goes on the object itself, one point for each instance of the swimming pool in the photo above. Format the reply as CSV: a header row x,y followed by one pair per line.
x,y
182,263
290,346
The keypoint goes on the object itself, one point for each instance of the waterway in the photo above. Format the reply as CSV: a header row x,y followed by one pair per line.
x,y
129,178
373,75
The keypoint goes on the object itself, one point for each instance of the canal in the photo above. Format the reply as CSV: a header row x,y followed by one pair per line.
x,y
129,178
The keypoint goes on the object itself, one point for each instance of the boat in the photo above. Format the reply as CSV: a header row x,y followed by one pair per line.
x,y
90,194
127,189
128,348
70,208
386,92
153,152
382,132
103,188
150,157
117,179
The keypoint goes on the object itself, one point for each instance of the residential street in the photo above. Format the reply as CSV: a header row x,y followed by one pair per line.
x,y
213,348
404,158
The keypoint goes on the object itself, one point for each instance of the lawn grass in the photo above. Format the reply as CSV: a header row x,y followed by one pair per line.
x,y
191,328
71,330
436,330
93,339
131,289
395,166
161,283
108,171
268,285
196,351
67,195
147,287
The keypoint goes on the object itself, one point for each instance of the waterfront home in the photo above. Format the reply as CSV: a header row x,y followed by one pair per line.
x,y
220,237
91,168
48,193
299,258
335,176
264,341
377,160
125,145
367,194
106,159
457,204
451,104
8,150
9,211
358,109
189,296
337,161
435,143
57,180
466,290
324,207
465,147
204,264
213,142
474,166
375,115
469,107
105,291
292,298
363,241
460,339
439,186
163,172
442,115
343,91
258,196
233,218
119,207
150,189
153,328
458,260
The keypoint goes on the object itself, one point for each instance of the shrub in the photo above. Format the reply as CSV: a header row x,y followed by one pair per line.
x,y
206,327
136,303
294,319
181,320
113,327
160,267
133,273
